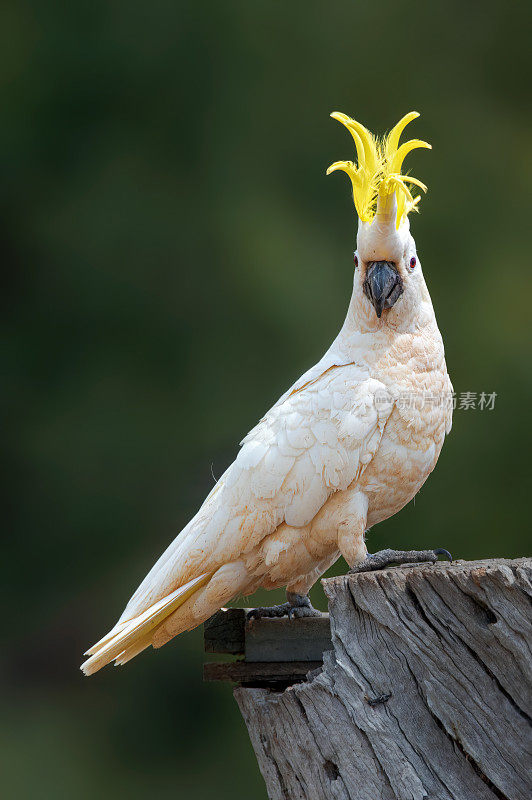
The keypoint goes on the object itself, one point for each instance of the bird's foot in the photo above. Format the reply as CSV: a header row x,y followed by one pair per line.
x,y
280,610
298,605
384,558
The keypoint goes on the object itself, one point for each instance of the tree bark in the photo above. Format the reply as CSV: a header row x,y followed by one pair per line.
x,y
426,694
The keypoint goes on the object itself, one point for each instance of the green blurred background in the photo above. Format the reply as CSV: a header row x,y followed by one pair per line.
x,y
174,258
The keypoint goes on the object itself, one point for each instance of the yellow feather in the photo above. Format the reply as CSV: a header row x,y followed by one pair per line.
x,y
125,640
400,154
392,141
378,168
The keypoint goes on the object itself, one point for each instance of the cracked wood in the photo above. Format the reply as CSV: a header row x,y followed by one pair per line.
x,y
425,696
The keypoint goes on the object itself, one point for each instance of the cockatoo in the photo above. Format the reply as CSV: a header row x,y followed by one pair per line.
x,y
347,446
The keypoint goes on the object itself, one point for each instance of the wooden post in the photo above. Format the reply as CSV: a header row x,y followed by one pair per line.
x,y
426,693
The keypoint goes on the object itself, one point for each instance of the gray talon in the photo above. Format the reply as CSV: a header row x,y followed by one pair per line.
x,y
297,612
280,610
298,606
441,551
384,558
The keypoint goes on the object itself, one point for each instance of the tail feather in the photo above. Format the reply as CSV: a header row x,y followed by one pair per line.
x,y
128,638
95,647
135,649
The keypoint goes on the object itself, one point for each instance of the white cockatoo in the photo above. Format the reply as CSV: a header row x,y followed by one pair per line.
x,y
347,446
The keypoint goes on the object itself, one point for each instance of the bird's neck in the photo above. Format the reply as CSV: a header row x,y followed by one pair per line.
x,y
362,327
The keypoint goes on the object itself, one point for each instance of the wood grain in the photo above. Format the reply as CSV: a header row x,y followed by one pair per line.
x,y
259,672
279,639
225,632
426,695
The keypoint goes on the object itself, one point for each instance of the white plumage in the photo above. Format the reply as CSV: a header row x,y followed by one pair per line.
x,y
337,453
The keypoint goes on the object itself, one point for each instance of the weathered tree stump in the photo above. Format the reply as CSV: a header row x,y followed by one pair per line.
x,y
426,694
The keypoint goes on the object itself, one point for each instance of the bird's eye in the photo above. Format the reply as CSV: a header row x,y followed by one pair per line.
x,y
355,259
413,262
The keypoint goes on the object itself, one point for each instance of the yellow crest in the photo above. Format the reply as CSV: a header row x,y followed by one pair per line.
x,y
378,172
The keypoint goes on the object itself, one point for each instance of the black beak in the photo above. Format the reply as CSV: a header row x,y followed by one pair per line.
x,y
382,285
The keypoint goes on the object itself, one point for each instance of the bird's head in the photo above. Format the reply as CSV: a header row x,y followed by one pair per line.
x,y
388,274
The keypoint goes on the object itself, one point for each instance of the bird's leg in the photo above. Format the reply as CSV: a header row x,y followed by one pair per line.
x,y
297,605
301,606
386,557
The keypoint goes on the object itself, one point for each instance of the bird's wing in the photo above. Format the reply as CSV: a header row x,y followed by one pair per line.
x,y
331,359
315,441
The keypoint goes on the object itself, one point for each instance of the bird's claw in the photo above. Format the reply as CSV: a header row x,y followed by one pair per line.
x,y
280,610
384,558
298,606
297,612
441,551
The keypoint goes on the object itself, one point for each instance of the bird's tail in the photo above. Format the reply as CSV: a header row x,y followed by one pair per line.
x,y
130,637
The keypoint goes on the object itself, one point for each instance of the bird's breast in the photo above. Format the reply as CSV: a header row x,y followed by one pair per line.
x,y
411,443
